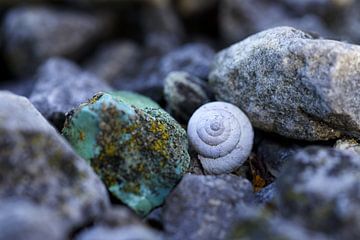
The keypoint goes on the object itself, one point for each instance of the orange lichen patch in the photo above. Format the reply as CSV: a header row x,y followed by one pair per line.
x,y
82,135
258,183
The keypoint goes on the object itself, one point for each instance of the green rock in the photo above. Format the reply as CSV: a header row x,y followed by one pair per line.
x,y
139,150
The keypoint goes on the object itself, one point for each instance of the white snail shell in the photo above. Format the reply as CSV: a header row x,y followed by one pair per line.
x,y
222,135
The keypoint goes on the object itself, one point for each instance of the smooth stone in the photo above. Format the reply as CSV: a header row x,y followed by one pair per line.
x,y
240,18
163,30
61,86
291,84
276,154
21,220
33,34
184,94
118,60
138,150
38,165
194,58
205,207
321,191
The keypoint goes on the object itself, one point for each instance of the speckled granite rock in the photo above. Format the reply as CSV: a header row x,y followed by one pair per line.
x,y
205,207
38,165
118,223
138,150
321,191
241,18
291,84
60,86
34,33
184,94
18,222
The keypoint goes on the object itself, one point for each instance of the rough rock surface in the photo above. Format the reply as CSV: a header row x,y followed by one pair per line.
x,y
259,224
60,86
321,191
184,94
34,33
275,154
38,165
138,149
205,207
118,223
351,145
291,84
18,222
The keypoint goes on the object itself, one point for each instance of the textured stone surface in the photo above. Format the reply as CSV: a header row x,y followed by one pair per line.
x,y
20,220
266,195
321,191
350,145
241,18
118,223
257,224
291,84
117,60
275,154
138,150
60,86
34,33
184,94
205,207
37,165
194,58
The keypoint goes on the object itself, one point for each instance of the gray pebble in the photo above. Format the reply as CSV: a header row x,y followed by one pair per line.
x,y
60,86
33,34
21,220
204,207
39,166
184,94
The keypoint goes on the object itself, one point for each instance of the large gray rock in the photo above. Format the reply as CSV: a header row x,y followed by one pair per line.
x,y
205,207
60,86
291,84
38,165
34,33
21,220
321,191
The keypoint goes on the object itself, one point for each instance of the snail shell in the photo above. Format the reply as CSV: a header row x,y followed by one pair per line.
x,y
222,135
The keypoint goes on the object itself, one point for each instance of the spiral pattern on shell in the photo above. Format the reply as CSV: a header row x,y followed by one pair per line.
x,y
222,135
